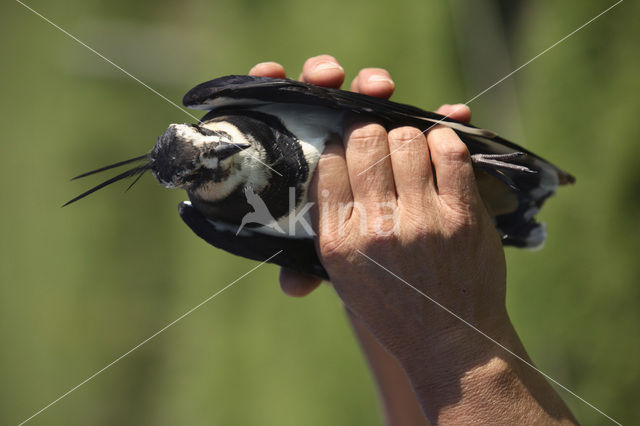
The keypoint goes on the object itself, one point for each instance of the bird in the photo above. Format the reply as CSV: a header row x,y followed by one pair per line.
x,y
262,138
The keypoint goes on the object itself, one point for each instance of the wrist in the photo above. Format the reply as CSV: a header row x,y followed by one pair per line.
x,y
441,364
434,350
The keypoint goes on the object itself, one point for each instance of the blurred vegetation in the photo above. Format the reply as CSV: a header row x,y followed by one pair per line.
x,y
82,285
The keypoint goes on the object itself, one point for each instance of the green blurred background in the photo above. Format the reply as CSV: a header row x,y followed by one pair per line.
x,y
82,285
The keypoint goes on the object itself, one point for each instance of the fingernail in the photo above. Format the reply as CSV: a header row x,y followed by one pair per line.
x,y
327,66
377,78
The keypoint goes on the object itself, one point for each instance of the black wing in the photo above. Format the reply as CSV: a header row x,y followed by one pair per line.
x,y
298,254
239,91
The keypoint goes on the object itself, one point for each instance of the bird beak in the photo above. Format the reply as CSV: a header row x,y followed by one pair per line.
x,y
225,150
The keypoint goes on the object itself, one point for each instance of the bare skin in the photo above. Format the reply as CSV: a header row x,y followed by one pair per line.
x,y
429,365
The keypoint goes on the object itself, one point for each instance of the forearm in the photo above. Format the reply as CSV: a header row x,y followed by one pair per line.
x,y
399,404
470,379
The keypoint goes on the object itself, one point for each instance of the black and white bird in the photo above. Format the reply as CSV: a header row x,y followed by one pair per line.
x,y
258,147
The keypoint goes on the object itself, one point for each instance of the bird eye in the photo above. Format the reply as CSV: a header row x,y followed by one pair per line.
x,y
192,176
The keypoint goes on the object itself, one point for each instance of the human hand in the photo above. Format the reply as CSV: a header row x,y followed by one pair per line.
x,y
325,71
418,220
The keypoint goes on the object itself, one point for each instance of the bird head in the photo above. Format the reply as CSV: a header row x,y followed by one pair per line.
x,y
194,157
188,156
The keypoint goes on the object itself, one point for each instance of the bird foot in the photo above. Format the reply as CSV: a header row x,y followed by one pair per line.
x,y
499,165
500,161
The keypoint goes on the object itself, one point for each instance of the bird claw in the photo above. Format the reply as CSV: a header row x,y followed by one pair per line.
x,y
501,161
498,164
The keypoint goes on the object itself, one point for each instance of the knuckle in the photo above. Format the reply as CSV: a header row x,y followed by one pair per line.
x,y
329,160
449,146
405,134
333,248
332,159
367,135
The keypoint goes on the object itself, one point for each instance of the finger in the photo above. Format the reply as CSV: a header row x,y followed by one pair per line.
x,y
369,164
323,70
411,165
374,82
296,284
452,163
355,85
330,189
268,69
459,112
